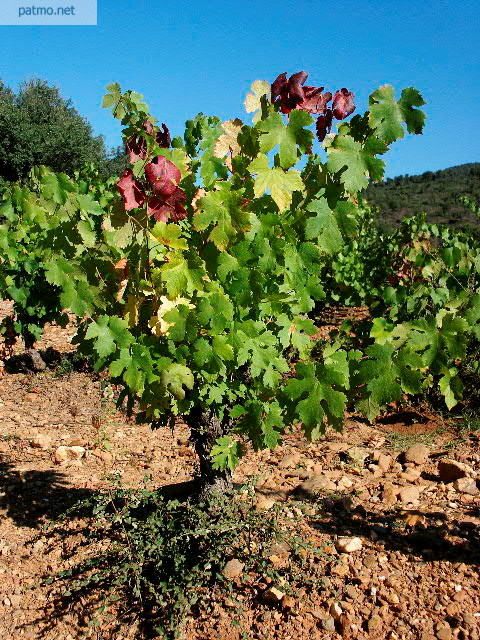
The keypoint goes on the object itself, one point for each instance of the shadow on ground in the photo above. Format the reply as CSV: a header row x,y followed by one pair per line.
x,y
30,498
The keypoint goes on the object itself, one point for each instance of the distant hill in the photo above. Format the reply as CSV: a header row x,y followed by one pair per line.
x,y
435,192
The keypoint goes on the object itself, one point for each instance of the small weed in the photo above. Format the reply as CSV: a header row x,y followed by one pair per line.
x,y
64,367
402,441
163,559
8,437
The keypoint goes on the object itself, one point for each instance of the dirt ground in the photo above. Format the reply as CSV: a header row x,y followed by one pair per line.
x,y
413,573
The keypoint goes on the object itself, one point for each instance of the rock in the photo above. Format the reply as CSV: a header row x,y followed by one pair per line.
x,y
273,595
389,493
233,568
374,624
466,485
409,494
352,592
348,545
318,482
469,619
328,624
443,631
36,362
335,610
384,462
290,462
417,453
106,456
358,455
41,441
344,483
451,470
411,475
264,503
64,454
287,602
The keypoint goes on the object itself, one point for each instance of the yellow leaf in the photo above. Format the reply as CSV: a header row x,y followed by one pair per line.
x,y
227,143
252,103
157,324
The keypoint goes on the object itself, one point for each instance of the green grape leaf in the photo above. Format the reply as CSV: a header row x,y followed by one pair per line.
x,y
224,210
169,235
226,453
319,403
281,184
323,227
109,334
387,115
379,374
274,132
356,161
78,295
175,377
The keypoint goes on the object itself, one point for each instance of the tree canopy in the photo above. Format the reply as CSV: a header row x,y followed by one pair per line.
x,y
40,127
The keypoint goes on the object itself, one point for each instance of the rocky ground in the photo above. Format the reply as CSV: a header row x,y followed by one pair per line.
x,y
397,513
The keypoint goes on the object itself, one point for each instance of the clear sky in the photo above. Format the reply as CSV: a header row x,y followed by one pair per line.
x,y
191,56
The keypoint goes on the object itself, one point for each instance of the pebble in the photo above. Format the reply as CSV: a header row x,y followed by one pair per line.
x,y
335,610
317,482
409,494
451,470
233,568
41,441
348,545
65,454
273,595
328,624
466,485
264,503
417,453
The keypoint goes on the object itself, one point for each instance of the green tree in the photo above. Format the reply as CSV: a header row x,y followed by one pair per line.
x,y
40,127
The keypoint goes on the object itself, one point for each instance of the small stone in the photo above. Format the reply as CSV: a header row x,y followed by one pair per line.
x,y
352,592
417,453
409,494
287,602
35,360
264,503
318,482
374,624
469,619
444,632
273,595
15,600
358,455
328,624
41,441
344,483
411,475
64,454
348,545
290,461
384,462
233,568
103,455
389,493
335,610
451,470
466,485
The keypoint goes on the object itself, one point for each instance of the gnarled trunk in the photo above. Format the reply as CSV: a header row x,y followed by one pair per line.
x,y
205,428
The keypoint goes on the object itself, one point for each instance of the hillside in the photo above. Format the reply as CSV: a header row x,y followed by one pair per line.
x,y
435,192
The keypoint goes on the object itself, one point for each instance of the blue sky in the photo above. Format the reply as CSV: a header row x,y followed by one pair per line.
x,y
193,56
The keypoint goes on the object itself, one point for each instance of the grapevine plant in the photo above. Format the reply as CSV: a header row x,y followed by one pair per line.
x,y
196,284
221,239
